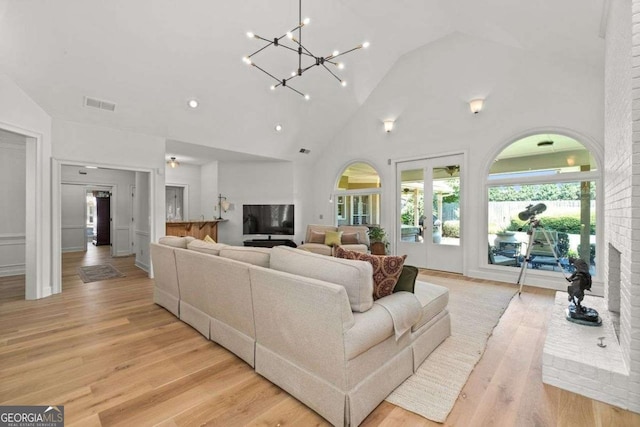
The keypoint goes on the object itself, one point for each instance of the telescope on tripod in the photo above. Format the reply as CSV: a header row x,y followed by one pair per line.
x,y
529,215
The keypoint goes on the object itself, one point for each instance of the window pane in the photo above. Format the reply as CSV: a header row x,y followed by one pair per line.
x,y
412,205
566,215
446,205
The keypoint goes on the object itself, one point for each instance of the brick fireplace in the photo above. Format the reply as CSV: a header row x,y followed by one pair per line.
x,y
572,359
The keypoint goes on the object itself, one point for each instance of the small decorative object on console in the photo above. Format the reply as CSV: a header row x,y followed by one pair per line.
x,y
580,282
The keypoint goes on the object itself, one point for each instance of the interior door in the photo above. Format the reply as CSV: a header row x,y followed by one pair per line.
x,y
428,212
103,219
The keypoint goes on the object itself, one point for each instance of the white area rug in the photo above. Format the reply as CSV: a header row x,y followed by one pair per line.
x,y
475,310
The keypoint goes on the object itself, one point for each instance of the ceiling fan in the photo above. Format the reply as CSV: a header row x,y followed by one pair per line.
x,y
451,170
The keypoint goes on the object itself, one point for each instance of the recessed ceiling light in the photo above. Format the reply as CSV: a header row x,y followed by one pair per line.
x,y
193,103
91,167
278,127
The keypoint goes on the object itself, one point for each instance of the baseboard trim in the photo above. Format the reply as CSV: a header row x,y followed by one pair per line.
x,y
12,270
142,266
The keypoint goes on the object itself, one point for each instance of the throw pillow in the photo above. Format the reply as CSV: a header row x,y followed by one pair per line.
x,y
386,269
208,239
332,238
316,237
350,239
407,279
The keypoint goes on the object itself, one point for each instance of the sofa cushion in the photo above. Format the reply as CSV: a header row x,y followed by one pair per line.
x,y
386,269
433,298
317,248
407,279
332,238
362,230
248,254
316,237
355,276
205,247
350,239
174,241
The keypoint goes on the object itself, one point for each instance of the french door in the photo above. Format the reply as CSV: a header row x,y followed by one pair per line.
x,y
428,212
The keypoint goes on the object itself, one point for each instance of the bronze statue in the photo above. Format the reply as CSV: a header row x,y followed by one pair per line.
x,y
580,282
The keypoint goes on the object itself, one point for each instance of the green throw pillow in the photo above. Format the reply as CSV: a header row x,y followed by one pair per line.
x,y
407,280
332,238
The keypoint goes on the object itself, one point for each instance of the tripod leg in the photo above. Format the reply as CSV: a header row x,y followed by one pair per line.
x,y
553,249
523,267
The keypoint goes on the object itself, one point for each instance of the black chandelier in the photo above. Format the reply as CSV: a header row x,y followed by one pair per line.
x,y
301,50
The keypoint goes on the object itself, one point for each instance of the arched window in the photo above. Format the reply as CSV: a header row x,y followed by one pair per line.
x,y
542,203
357,195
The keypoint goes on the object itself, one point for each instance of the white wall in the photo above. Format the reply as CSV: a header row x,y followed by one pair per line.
x,y
120,182
18,113
73,228
142,224
13,196
209,190
427,93
188,176
253,183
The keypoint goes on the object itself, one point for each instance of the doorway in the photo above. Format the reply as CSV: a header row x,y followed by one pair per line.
x,y
429,212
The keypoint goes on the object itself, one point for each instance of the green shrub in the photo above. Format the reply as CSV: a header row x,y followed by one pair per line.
x,y
592,253
563,245
451,229
561,224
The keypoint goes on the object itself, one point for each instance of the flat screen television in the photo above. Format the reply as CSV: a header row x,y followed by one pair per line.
x,y
267,219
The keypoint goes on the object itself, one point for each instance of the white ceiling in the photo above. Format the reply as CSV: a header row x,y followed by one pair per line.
x,y
149,57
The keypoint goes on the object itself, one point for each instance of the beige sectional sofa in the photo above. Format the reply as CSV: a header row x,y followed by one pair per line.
x,y
306,322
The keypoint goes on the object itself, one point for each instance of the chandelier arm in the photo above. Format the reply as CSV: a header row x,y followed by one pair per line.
x,y
268,73
260,50
306,50
295,50
296,91
332,73
307,68
343,53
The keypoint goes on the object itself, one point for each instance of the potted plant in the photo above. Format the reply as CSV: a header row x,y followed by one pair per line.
x,y
378,239
505,235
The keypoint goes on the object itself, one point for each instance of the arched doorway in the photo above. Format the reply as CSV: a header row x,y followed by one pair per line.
x,y
356,195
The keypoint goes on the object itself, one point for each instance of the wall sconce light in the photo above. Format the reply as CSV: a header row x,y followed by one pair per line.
x,y
173,163
476,105
223,205
388,125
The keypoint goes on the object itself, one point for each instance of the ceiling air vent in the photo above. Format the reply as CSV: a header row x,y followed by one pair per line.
x,y
96,103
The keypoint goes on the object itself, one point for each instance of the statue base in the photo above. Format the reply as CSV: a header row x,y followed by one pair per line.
x,y
588,316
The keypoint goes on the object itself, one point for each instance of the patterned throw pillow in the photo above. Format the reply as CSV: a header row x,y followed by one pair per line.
x,y
208,239
332,238
386,269
350,239
316,237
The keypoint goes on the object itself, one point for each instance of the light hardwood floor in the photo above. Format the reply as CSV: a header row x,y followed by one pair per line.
x,y
112,357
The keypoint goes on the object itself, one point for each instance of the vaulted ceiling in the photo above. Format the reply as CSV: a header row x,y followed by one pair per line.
x,y
149,57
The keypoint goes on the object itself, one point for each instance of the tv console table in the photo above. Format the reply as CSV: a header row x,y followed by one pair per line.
x,y
269,243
